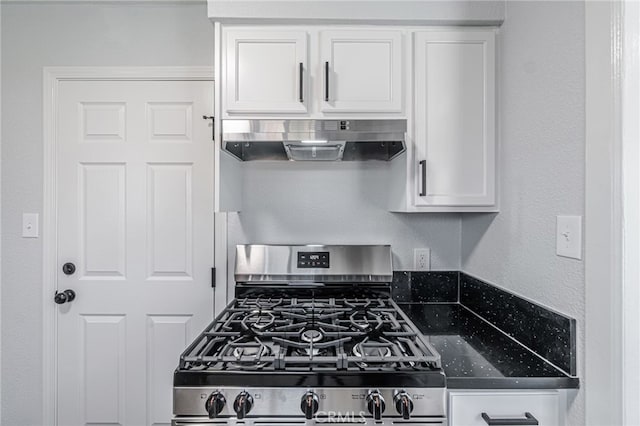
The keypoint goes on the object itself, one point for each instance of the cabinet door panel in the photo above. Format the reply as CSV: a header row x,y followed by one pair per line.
x,y
455,118
364,71
263,71
466,408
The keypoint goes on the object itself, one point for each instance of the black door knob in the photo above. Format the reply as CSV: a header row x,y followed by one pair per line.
x,y
64,297
68,268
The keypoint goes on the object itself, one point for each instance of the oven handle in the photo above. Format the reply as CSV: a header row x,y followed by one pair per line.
x,y
528,420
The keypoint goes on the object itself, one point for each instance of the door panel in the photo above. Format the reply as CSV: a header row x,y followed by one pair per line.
x,y
102,221
364,71
169,220
165,333
455,118
104,366
135,213
263,71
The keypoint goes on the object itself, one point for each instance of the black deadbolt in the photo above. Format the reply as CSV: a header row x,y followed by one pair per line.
x,y
68,268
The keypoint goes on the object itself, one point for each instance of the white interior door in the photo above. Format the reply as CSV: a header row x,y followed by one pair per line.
x,y
135,217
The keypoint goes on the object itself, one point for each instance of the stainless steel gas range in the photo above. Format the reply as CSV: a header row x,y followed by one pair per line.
x,y
312,337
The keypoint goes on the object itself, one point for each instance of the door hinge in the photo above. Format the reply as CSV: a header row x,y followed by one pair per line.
x,y
213,125
213,277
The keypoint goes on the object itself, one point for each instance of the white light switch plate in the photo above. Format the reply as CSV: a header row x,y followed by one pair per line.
x,y
30,225
569,237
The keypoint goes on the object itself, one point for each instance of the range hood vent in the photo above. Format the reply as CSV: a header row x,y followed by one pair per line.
x,y
314,140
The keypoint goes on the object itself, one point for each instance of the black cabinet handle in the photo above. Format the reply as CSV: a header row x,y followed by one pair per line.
x,y
528,420
301,83
423,174
326,81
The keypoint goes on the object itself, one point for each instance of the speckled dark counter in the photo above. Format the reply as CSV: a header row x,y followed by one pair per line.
x,y
475,355
488,337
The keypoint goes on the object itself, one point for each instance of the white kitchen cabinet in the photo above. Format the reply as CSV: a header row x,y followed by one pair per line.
x,y
466,408
314,72
454,158
361,71
266,71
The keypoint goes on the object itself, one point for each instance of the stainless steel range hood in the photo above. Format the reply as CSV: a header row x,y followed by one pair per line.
x,y
314,140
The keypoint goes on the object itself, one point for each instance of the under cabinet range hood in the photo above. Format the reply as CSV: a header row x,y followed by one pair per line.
x,y
314,140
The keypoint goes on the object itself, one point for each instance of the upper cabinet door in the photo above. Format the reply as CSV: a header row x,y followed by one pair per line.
x,y
266,71
455,144
361,71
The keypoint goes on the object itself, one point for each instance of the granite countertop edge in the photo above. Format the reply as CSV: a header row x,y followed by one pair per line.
x,y
513,383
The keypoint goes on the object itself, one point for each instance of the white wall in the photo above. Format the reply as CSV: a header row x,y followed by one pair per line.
x,y
421,12
337,203
44,34
0,211
542,120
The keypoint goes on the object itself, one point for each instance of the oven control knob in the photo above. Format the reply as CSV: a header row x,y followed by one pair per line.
x,y
404,404
375,404
214,405
243,404
309,404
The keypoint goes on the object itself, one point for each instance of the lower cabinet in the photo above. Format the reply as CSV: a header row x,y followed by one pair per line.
x,y
507,408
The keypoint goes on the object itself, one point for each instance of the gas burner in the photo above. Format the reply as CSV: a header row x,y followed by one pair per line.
x,y
311,351
252,351
247,354
366,320
372,350
311,336
258,320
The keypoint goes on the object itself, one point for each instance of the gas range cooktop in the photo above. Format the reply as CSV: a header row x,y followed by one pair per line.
x,y
291,346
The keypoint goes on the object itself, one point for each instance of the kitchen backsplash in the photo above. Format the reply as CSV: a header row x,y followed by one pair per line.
x,y
545,332
425,287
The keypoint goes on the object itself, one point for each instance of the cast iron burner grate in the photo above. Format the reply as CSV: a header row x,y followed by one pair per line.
x,y
310,334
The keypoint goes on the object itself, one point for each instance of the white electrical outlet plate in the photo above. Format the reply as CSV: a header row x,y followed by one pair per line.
x,y
30,225
569,237
422,259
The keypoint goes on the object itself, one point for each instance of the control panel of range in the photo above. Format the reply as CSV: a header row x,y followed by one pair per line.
x,y
375,404
315,259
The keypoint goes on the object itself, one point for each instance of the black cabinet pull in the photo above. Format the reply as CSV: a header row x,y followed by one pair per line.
x,y
326,81
528,420
301,83
423,171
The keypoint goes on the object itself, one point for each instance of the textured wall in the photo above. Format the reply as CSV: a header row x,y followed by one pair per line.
x,y
542,119
337,203
429,12
33,36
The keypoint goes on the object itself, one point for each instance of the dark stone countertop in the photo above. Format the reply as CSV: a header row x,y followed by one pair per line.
x,y
475,355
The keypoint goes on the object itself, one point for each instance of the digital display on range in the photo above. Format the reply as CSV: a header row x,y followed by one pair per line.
x,y
315,259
